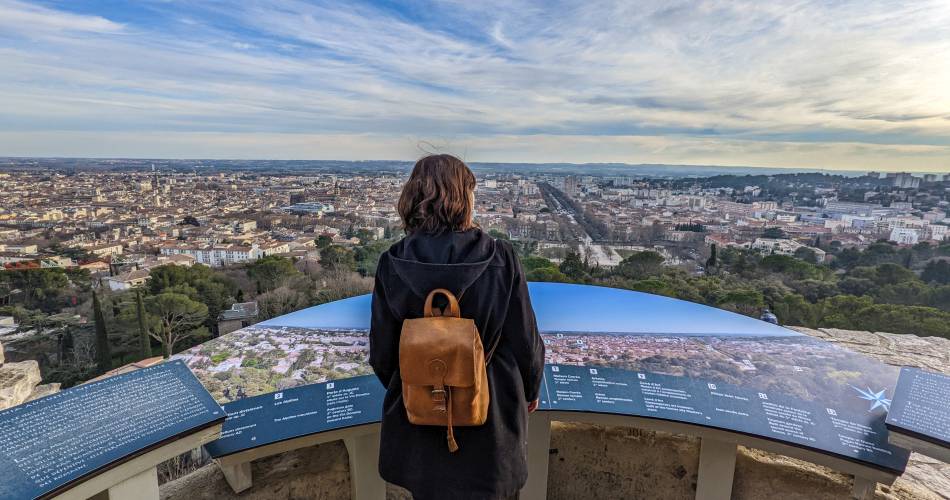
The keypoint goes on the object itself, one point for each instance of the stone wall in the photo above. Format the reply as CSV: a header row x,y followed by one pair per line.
x,y
596,462
308,473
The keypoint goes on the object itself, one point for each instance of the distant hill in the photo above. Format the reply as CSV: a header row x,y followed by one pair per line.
x,y
278,167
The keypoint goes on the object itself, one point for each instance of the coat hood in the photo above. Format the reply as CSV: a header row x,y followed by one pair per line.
x,y
452,260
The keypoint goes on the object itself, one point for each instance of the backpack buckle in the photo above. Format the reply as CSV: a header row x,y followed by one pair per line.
x,y
438,399
437,368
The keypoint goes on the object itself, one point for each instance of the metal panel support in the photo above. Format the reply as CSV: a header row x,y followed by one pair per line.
x,y
863,488
143,486
137,478
539,453
238,475
717,466
364,470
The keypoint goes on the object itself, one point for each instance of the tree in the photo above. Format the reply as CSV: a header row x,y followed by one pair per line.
x,y
855,286
641,265
863,314
534,262
550,274
690,227
323,241
654,286
213,288
167,276
367,256
773,232
77,254
189,220
888,274
940,297
806,254
793,309
573,267
525,248
145,343
878,253
923,251
337,258
278,301
40,288
909,293
712,261
815,290
937,271
541,269
178,317
342,285
365,235
748,302
270,271
790,266
498,235
103,355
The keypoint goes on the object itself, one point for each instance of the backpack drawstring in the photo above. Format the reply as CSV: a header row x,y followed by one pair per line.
x,y
450,433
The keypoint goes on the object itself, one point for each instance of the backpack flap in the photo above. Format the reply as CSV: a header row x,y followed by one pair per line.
x,y
439,351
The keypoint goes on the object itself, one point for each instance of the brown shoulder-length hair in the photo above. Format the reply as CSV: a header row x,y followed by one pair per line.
x,y
437,197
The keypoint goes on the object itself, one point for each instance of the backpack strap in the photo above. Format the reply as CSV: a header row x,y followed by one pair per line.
x,y
453,309
491,352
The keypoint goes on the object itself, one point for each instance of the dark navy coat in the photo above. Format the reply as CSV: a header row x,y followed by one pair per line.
x,y
486,275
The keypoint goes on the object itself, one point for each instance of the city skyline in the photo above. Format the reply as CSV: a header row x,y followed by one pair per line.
x,y
845,85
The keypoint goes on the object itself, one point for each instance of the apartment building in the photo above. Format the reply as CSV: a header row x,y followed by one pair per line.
x,y
214,255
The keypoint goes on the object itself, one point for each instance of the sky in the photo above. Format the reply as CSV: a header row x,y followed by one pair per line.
x,y
856,85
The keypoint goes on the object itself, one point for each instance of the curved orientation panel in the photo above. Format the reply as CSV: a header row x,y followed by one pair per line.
x,y
61,444
608,351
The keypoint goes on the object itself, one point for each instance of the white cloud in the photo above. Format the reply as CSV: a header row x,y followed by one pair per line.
x,y
747,82
16,16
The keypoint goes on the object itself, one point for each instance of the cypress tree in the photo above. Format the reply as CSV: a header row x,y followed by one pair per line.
x,y
145,344
713,257
103,355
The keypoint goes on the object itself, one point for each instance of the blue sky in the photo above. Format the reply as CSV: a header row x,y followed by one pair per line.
x,y
833,84
562,307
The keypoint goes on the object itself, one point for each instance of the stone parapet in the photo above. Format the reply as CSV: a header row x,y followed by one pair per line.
x,y
44,390
17,381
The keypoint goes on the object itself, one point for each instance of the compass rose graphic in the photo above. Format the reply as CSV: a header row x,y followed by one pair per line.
x,y
877,399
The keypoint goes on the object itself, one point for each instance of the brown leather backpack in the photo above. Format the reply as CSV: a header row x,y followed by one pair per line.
x,y
443,368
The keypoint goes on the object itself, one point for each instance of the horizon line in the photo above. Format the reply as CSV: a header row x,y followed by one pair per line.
x,y
521,163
